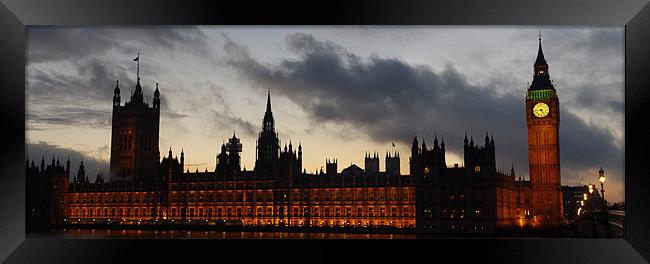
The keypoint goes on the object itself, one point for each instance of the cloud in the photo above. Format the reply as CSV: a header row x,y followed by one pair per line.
x,y
225,119
214,112
76,66
72,43
595,40
82,96
69,116
92,163
71,74
391,100
222,115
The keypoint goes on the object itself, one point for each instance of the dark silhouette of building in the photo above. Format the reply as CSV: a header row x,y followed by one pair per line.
x,y
134,138
473,198
392,163
372,163
331,166
353,172
543,118
81,174
229,160
47,188
268,146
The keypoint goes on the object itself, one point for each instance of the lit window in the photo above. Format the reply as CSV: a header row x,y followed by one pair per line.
x,y
477,169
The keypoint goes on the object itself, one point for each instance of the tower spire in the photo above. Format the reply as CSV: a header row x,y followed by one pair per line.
x,y
540,61
268,101
268,123
117,87
541,78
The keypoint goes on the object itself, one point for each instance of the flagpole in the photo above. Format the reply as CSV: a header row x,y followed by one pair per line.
x,y
138,74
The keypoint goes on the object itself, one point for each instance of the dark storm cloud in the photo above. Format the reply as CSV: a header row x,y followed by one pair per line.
x,y
92,166
90,80
391,100
89,88
599,97
72,43
84,76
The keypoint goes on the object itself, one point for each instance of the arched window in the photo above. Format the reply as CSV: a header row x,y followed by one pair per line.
x,y
477,169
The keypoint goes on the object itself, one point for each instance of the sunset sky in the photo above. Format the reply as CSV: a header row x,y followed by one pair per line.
x,y
339,91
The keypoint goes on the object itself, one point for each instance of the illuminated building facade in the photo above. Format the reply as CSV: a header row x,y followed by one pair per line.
x,y
143,188
543,119
277,192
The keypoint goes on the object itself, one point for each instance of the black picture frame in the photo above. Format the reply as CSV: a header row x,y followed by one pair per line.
x,y
15,15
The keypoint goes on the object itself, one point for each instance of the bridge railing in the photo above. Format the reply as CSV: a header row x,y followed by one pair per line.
x,y
616,218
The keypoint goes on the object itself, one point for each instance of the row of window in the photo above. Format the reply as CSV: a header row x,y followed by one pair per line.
x,y
339,223
239,212
248,196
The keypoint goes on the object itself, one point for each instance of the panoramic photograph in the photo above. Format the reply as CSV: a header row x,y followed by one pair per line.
x,y
324,132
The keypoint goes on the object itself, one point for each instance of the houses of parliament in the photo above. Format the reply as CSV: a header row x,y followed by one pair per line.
x,y
145,187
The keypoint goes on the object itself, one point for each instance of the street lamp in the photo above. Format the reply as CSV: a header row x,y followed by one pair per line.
x,y
591,188
601,178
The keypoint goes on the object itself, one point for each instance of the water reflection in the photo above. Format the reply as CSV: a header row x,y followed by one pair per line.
x,y
105,233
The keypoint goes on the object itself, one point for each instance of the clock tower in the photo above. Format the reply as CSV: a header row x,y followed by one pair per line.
x,y
543,119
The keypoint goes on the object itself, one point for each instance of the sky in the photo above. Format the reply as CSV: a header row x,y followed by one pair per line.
x,y
339,91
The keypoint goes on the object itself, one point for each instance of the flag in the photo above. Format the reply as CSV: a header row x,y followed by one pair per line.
x,y
137,58
393,144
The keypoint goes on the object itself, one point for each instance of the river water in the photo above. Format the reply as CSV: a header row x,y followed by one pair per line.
x,y
195,234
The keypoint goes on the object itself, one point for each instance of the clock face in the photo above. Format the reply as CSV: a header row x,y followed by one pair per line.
x,y
540,110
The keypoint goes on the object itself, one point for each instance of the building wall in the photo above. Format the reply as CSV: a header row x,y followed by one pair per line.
x,y
135,138
251,203
46,197
473,198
